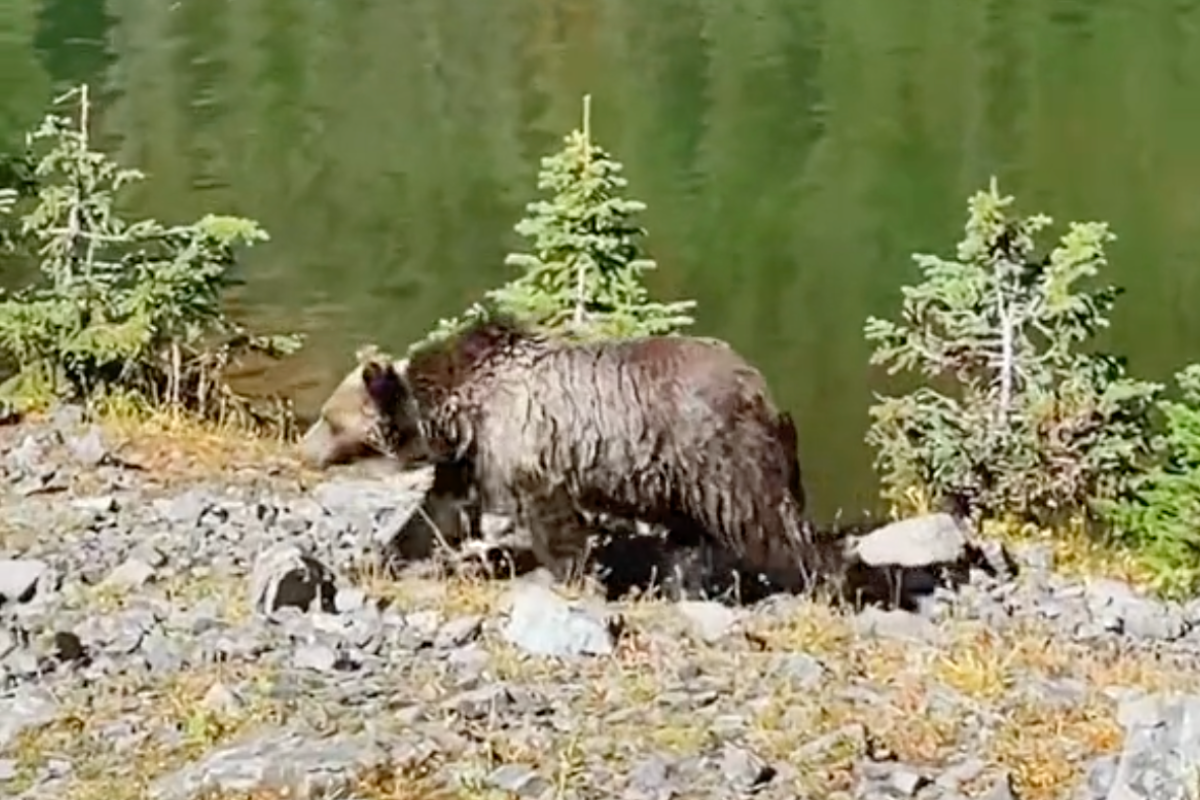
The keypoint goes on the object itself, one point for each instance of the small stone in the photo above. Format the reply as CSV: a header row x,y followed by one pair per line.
x,y
132,574
519,780
711,621
543,623
28,708
1146,619
27,456
89,449
349,599
651,776
186,508
915,542
802,670
458,632
19,578
745,770
9,769
316,657
961,773
150,555
221,699
896,779
276,763
895,624
482,703
103,504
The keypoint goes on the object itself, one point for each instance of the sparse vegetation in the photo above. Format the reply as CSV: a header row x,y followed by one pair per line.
x,y
126,311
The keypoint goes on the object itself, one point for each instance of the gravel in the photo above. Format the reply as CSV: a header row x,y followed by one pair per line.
x,y
229,637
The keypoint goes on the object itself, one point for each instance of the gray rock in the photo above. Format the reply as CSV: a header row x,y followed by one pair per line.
x,y
96,506
482,703
968,770
316,657
1116,607
1146,619
894,779
279,762
30,707
1101,774
89,449
67,416
221,699
914,542
1162,747
519,780
347,496
541,622
26,457
709,620
349,599
652,776
895,624
19,578
801,670
9,769
743,769
458,632
186,508
132,574
284,576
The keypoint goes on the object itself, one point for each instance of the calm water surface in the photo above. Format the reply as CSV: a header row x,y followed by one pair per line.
x,y
793,154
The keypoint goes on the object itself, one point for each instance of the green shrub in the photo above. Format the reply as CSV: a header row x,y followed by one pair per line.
x,y
124,308
583,278
1162,519
1029,428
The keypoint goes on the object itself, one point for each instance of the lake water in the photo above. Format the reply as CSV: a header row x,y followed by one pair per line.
x,y
793,154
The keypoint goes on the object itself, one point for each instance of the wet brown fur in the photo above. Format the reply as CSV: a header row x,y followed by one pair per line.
x,y
674,431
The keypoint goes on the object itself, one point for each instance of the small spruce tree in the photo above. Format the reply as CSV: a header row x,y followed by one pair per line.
x,y
130,309
583,276
1030,428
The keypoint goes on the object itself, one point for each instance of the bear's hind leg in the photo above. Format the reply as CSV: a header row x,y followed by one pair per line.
x,y
558,532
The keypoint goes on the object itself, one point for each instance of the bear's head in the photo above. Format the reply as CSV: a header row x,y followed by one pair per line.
x,y
370,414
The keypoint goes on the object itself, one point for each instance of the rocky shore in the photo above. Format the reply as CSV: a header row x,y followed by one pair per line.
x,y
221,638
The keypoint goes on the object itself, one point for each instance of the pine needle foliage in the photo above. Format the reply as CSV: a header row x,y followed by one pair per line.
x,y
1029,427
123,308
1162,518
583,276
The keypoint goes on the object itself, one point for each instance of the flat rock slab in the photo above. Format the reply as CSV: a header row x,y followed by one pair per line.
x,y
286,762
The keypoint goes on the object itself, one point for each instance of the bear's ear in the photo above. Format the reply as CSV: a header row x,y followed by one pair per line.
x,y
384,387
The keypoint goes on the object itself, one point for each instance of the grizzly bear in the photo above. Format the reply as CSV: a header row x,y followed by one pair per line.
x,y
674,431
